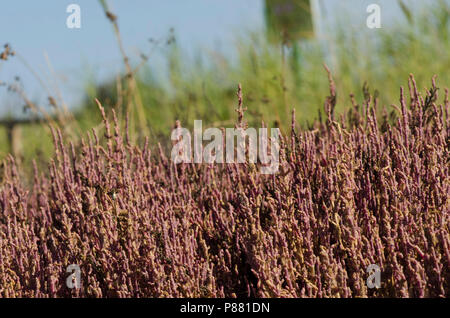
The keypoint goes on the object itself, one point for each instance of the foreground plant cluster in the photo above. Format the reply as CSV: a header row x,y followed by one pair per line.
x,y
349,193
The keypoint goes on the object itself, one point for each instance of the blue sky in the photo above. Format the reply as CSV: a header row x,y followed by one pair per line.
x,y
36,28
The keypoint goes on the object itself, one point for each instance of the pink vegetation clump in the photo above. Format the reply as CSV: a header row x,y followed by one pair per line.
x,y
350,192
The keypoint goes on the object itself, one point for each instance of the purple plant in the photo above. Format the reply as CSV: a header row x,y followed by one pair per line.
x,y
350,193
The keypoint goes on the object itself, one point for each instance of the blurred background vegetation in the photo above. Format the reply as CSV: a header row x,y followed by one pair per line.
x,y
280,68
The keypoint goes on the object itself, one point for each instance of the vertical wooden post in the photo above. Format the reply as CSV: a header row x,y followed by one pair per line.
x,y
9,135
13,135
16,145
